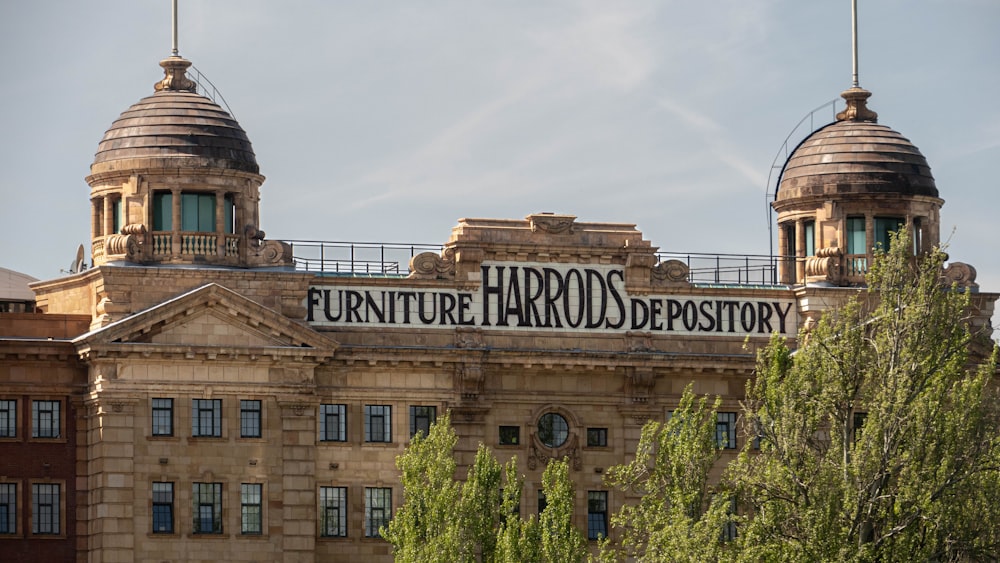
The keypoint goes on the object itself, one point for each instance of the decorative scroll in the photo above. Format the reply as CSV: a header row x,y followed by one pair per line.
x,y
468,337
271,253
959,274
470,378
827,264
551,223
126,246
430,266
538,454
670,272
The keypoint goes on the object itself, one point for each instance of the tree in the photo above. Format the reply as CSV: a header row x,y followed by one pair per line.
x,y
677,518
444,520
878,440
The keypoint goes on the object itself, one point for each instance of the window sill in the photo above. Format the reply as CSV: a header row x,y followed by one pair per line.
x,y
47,536
163,437
222,536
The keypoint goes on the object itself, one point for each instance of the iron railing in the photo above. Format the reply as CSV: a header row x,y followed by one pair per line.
x,y
728,269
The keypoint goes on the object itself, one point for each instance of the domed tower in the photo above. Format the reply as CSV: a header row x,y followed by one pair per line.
x,y
844,189
175,181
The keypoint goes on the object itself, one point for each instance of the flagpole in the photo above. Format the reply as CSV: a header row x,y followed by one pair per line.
x,y
174,51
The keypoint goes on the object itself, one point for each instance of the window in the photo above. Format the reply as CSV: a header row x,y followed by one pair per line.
x,y
378,423
553,429
421,419
45,419
333,512
198,212
597,514
333,423
207,509
206,417
597,437
729,528
510,435
163,417
249,419
163,212
8,508
856,243
884,227
542,501
116,211
810,235
44,508
163,508
725,430
8,418
251,511
378,510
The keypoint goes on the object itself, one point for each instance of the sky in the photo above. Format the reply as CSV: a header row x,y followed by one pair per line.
x,y
389,121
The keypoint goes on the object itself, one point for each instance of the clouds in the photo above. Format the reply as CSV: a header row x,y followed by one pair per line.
x,y
389,121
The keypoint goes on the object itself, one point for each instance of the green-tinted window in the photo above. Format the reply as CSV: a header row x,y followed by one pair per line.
x,y
884,227
198,212
163,216
856,243
810,229
229,227
116,211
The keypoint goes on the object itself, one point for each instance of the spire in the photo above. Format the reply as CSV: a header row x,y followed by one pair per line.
x,y
855,96
174,66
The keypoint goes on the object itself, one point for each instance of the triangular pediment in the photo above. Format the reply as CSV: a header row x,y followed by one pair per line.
x,y
210,316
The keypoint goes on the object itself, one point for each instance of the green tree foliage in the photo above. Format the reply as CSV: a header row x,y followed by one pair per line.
x,y
677,518
878,441
473,521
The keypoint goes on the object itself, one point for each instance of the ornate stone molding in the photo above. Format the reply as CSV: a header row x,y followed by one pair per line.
x,y
430,266
959,274
827,264
551,223
469,378
636,341
469,337
538,454
639,384
174,75
670,273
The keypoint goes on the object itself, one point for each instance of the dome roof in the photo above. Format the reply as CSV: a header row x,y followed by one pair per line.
x,y
855,155
175,127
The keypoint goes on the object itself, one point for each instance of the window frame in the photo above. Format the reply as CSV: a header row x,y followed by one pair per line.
x,y
600,433
196,418
251,414
384,435
557,436
725,421
335,499
155,427
384,497
597,532
212,491
338,412
416,419
9,491
8,418
505,440
162,502
56,518
250,509
54,423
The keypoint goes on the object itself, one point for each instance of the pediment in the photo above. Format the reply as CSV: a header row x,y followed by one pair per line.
x,y
210,316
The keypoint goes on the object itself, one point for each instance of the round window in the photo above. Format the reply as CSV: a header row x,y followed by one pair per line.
x,y
552,430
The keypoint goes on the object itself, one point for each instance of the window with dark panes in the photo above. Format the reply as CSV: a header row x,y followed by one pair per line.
x,y
8,508
597,514
8,418
333,512
163,417
251,508
333,423
378,423
421,418
206,417
378,510
250,419
510,435
45,508
597,437
45,419
207,508
163,508
725,430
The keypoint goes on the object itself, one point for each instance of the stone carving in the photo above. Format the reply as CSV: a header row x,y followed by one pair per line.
x,y
959,274
430,266
266,252
122,246
639,341
551,223
470,378
468,337
826,264
857,106
639,384
175,77
670,272
541,455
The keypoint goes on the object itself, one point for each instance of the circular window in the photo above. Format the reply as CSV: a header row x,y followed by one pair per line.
x,y
552,430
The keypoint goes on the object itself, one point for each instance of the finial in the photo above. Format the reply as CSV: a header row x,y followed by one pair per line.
x,y
857,106
174,75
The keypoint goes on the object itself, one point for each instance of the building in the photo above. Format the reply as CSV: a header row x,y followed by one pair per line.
x,y
204,393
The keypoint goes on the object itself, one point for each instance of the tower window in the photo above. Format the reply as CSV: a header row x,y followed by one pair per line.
x,y
884,227
116,211
163,215
198,212
856,243
810,235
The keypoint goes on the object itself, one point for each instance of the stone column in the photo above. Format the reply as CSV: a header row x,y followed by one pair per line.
x,y
109,217
175,219
800,251
298,481
110,478
869,240
220,220
783,271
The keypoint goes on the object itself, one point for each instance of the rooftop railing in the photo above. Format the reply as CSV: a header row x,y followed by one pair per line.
x,y
374,259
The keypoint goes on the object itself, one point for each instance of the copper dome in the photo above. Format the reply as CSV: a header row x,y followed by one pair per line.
x,y
855,155
175,128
